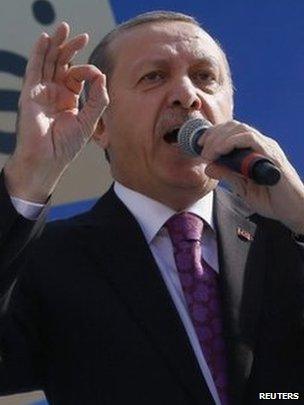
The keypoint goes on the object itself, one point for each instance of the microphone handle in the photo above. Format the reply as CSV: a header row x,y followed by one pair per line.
x,y
252,165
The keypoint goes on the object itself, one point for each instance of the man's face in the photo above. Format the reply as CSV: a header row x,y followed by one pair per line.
x,y
164,74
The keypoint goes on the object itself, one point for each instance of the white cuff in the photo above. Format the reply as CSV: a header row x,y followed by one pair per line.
x,y
27,209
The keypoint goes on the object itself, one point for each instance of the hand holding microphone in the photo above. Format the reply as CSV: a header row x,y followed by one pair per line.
x,y
285,201
245,161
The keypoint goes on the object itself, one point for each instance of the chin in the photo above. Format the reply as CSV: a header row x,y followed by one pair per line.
x,y
194,179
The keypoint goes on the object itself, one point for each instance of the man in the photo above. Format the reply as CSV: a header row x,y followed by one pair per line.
x,y
102,311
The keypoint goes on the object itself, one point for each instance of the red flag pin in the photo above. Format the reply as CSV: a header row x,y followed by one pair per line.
x,y
244,235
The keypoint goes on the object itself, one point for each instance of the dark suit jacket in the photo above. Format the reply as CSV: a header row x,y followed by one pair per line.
x,y
91,322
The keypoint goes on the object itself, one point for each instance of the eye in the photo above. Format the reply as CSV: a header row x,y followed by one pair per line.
x,y
153,77
206,79
205,76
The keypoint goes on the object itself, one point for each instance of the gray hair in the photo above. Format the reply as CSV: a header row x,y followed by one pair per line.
x,y
104,60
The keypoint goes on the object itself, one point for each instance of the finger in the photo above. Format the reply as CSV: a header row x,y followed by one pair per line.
x,y
76,76
34,69
219,172
254,140
60,35
217,134
236,180
95,105
69,50
67,53
234,126
213,151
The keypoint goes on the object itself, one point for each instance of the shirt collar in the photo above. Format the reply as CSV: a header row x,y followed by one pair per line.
x,y
152,215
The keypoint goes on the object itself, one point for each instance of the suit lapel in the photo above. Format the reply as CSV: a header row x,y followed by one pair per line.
x,y
240,247
127,263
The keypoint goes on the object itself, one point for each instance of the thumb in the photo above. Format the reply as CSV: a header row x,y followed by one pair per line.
x,y
217,171
236,180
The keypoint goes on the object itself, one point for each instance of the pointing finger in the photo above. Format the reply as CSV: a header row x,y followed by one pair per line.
x,y
76,76
95,105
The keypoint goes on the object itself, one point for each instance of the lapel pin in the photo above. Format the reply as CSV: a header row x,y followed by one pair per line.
x,y
244,235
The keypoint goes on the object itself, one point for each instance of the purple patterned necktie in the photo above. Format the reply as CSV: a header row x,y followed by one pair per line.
x,y
201,290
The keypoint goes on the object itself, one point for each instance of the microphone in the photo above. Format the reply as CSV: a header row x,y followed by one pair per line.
x,y
244,161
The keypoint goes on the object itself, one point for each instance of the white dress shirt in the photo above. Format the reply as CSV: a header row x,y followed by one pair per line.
x,y
151,216
29,210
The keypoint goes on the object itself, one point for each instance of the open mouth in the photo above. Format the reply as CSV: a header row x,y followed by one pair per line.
x,y
171,136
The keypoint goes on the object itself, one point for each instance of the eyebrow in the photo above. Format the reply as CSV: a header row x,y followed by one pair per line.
x,y
161,62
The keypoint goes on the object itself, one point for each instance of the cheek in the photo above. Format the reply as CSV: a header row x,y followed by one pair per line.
x,y
131,125
131,120
225,105
127,110
127,138
221,107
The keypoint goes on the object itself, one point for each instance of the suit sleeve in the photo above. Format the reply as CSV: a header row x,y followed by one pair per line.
x,y
22,354
19,342
16,232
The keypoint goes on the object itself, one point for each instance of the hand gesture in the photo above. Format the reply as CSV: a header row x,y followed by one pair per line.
x,y
51,128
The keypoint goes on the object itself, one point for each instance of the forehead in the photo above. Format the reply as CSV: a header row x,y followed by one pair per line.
x,y
164,40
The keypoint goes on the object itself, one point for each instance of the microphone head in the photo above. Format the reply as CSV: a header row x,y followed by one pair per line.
x,y
189,133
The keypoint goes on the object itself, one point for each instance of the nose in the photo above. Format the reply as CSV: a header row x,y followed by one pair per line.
x,y
185,94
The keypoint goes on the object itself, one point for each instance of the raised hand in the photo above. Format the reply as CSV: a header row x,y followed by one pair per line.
x,y
51,129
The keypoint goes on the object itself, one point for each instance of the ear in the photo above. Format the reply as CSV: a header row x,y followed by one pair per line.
x,y
100,135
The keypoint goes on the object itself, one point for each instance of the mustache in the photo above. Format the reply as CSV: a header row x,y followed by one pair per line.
x,y
172,118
